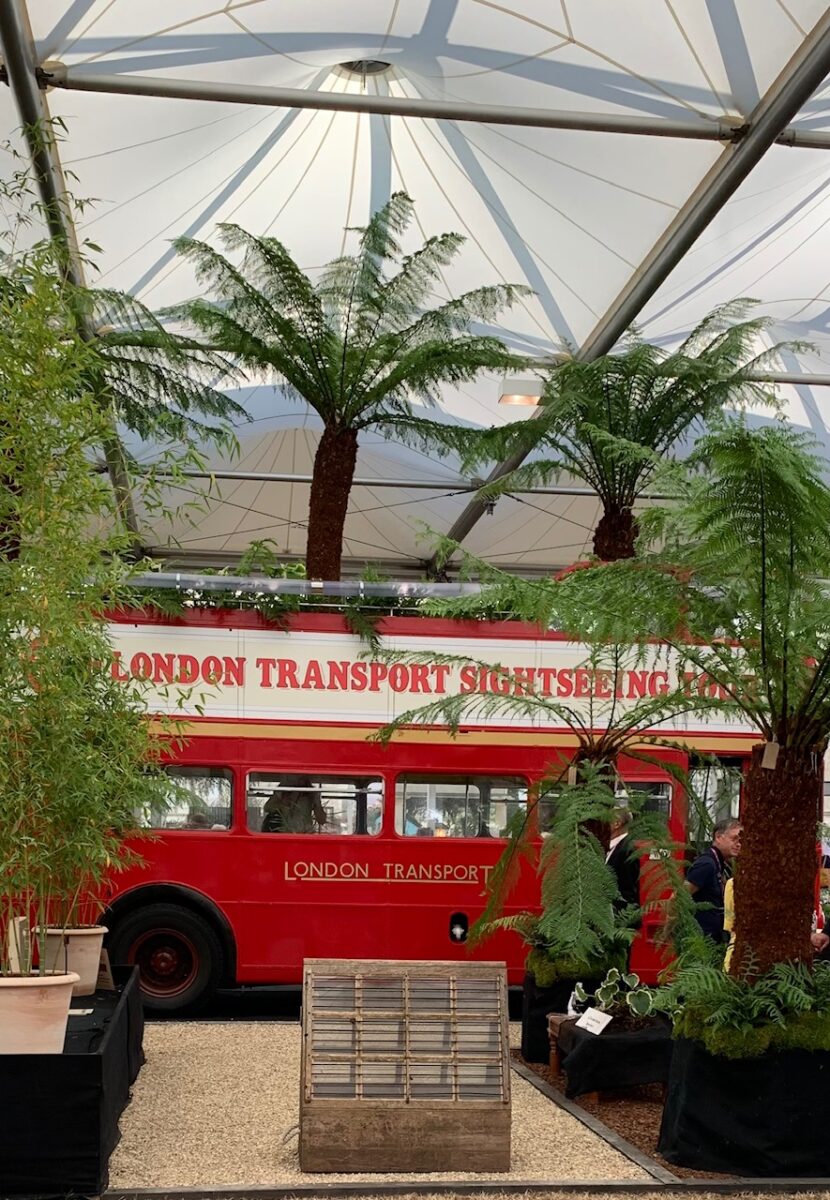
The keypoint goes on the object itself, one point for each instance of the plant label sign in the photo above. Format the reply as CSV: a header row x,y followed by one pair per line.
x,y
594,1021
17,941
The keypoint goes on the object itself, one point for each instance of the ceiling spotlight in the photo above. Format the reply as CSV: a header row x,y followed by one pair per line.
x,y
521,391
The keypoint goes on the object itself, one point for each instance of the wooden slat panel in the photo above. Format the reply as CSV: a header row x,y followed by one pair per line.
x,y
404,1066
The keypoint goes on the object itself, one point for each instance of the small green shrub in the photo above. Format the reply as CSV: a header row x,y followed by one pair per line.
x,y
620,994
786,1009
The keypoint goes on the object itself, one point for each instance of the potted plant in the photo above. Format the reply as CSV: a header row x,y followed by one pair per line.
x,y
733,574
633,1047
77,756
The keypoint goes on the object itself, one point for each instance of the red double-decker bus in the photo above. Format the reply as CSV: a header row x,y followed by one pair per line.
x,y
291,833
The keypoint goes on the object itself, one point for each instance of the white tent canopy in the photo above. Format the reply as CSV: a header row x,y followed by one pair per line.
x,y
606,227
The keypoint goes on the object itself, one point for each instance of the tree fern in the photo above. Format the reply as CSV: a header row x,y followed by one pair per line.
x,y
358,346
611,421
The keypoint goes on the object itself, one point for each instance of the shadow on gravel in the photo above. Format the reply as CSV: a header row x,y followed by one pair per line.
x,y
271,1004
243,1004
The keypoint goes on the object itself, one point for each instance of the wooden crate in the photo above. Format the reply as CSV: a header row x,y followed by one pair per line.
x,y
405,1066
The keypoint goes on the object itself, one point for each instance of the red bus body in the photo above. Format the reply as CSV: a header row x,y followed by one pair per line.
x,y
273,900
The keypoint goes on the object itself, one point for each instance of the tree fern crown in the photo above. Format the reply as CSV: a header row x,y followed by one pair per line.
x,y
365,338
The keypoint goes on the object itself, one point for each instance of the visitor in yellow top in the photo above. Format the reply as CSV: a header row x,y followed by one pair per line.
x,y
729,920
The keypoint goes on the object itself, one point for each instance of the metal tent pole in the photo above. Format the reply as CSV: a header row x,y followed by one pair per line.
x,y
427,485
76,79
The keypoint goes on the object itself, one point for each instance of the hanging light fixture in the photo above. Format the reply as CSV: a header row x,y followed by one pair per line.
x,y
521,391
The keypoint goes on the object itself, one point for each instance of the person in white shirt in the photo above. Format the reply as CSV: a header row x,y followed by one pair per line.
x,y
623,858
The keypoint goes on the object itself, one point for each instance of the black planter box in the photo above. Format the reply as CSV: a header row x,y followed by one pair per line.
x,y
59,1112
757,1116
537,1002
596,1062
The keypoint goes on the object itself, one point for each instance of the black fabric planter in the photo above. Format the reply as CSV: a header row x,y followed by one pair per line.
x,y
757,1116
537,1002
596,1062
59,1112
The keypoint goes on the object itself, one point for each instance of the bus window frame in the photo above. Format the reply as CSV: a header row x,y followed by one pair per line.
x,y
340,838
230,774
476,839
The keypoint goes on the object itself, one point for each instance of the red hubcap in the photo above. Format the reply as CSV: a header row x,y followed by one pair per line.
x,y
167,960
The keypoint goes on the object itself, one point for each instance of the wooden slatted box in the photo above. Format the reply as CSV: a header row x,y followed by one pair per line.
x,y
405,1066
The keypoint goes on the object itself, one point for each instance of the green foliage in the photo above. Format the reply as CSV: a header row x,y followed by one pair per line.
x,y
787,1008
579,893
619,992
364,340
732,574
77,757
361,613
158,382
155,380
611,421
583,929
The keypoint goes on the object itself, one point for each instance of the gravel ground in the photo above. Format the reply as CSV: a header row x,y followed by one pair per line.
x,y
634,1114
215,1105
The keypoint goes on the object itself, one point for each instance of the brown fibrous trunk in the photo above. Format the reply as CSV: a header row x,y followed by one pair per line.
x,y
776,871
615,535
334,466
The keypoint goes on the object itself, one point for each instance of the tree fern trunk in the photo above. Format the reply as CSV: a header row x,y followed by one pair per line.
x,y
615,534
331,483
776,870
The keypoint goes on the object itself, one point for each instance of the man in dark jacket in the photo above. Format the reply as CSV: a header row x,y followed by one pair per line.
x,y
707,876
623,858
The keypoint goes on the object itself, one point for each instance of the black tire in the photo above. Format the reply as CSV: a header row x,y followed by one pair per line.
x,y
178,953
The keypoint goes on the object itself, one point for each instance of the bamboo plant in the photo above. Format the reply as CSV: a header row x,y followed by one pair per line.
x,y
77,757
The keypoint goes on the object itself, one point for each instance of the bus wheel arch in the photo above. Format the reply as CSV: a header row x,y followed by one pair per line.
x,y
182,943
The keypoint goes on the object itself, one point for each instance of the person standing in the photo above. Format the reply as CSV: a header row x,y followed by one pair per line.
x,y
707,876
623,858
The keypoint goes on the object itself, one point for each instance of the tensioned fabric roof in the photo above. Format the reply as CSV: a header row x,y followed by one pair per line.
x,y
638,161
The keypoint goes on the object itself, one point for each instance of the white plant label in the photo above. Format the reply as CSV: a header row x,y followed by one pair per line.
x,y
17,941
594,1021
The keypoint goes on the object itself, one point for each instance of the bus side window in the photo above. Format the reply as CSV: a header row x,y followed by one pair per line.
x,y
714,793
466,806
652,797
278,802
199,798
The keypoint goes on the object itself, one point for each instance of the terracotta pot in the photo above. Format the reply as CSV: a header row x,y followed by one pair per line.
x,y
34,1010
77,950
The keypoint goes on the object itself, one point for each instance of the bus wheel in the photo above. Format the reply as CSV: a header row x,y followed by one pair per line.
x,y
178,955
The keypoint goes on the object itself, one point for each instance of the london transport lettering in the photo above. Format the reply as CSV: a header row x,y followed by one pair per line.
x,y
242,673
389,872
